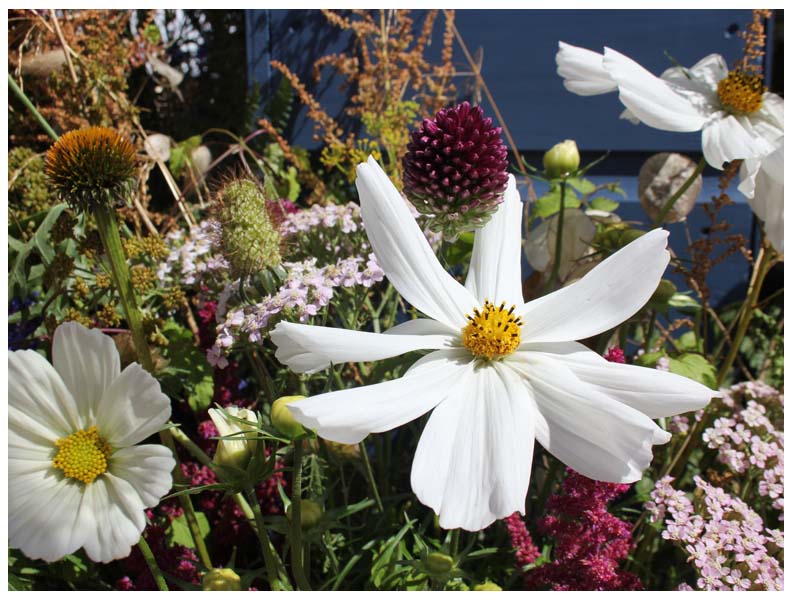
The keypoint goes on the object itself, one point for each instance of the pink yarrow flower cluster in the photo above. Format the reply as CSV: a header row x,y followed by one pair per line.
x,y
725,539
746,439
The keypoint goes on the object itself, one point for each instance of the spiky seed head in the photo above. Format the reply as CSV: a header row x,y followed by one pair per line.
x,y
92,167
249,236
455,169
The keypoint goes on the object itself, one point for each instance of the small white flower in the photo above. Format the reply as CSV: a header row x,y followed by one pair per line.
x,y
503,373
738,119
75,477
235,424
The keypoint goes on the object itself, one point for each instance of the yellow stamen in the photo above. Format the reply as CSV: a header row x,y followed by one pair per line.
x,y
82,455
741,92
493,332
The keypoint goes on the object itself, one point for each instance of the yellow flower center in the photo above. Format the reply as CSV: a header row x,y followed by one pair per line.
x,y
741,92
493,332
82,455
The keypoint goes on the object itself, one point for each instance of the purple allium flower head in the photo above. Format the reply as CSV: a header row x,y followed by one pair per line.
x,y
455,169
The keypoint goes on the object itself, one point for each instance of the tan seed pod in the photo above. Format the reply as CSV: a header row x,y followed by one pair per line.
x,y
660,177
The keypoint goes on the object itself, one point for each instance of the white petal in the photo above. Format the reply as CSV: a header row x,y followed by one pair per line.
x,y
403,252
422,327
88,362
474,458
726,139
594,435
582,71
652,392
710,71
133,408
38,401
605,297
310,348
762,182
649,98
44,517
118,518
148,468
347,416
495,268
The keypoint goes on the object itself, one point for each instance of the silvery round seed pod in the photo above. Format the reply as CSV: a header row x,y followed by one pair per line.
x,y
660,177
157,146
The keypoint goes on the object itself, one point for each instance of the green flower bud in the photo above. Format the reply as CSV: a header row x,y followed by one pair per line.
x,y
221,580
488,586
663,294
249,236
239,448
311,513
562,160
439,563
282,418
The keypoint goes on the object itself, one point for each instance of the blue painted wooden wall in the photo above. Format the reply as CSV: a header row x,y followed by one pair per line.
x,y
519,47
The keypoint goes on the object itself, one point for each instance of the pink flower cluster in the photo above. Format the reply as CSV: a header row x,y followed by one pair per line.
x,y
725,539
192,258
589,542
747,441
526,551
308,288
344,216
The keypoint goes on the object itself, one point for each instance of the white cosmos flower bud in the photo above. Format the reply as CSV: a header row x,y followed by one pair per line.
x,y
236,451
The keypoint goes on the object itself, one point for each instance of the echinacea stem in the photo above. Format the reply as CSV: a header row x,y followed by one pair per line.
x,y
107,224
297,556
150,560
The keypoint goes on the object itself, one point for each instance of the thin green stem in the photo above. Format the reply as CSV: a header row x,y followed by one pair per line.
x,y
31,107
190,446
455,542
681,190
274,568
555,269
371,479
186,502
297,555
107,225
156,572
548,483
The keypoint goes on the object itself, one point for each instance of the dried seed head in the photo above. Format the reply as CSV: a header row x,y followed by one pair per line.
x,y
90,167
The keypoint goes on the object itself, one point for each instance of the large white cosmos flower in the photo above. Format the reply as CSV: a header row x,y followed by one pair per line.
x,y
75,477
737,117
502,373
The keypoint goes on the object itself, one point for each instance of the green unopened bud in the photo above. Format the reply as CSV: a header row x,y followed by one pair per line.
x,y
488,586
221,580
282,418
562,160
249,237
663,294
439,563
239,426
311,513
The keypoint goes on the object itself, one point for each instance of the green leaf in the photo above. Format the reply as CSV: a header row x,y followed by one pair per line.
x,y
179,532
649,359
643,488
188,372
688,342
181,153
582,185
684,302
549,204
694,366
603,203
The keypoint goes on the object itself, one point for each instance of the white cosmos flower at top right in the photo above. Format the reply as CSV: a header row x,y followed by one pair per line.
x,y
738,119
